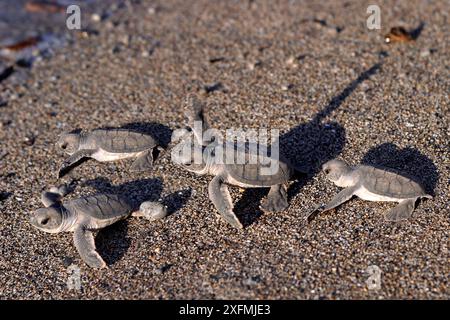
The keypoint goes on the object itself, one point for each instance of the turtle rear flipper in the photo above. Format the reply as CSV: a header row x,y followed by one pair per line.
x,y
402,211
276,200
84,242
143,162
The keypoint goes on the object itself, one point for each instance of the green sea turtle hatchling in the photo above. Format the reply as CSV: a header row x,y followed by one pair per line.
x,y
374,184
245,175
84,215
107,145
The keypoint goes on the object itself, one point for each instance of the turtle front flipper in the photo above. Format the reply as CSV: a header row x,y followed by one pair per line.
x,y
276,200
54,195
143,162
74,160
221,198
196,116
340,198
402,211
49,198
84,242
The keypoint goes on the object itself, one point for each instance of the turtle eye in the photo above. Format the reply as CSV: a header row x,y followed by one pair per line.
x,y
45,221
64,146
327,171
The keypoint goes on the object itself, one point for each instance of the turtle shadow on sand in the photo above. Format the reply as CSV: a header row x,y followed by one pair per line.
x,y
415,33
4,195
112,242
308,146
408,162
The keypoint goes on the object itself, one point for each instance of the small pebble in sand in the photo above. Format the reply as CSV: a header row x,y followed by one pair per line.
x,y
95,17
29,140
252,281
253,64
291,62
424,53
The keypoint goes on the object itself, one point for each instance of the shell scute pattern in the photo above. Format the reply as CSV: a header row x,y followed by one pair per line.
x,y
119,140
101,206
389,183
252,174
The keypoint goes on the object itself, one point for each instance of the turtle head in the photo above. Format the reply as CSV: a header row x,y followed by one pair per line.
x,y
192,156
48,219
336,170
69,142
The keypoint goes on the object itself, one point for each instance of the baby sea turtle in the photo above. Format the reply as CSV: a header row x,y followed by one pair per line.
x,y
84,215
107,145
246,174
374,184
